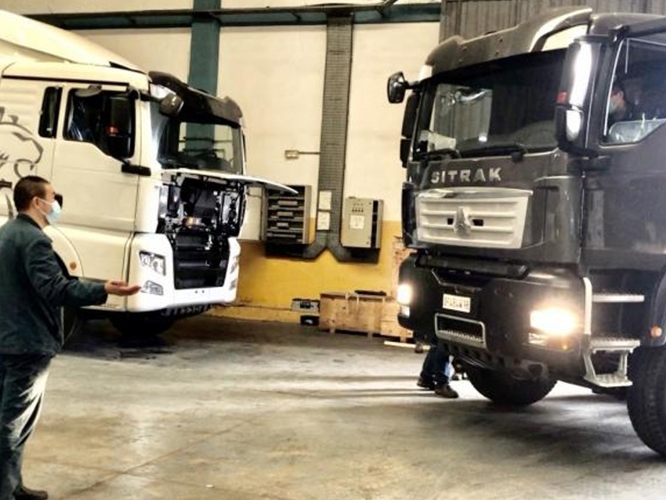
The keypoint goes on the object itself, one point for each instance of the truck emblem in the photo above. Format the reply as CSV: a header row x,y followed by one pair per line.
x,y
462,224
467,176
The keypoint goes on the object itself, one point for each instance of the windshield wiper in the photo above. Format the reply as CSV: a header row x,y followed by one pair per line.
x,y
516,149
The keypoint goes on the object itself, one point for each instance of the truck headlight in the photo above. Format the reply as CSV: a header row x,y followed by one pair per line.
x,y
554,321
152,288
154,262
404,295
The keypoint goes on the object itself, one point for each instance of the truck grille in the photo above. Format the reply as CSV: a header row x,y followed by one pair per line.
x,y
472,217
460,330
195,264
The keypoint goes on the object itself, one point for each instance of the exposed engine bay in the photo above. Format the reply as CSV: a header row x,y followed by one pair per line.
x,y
198,217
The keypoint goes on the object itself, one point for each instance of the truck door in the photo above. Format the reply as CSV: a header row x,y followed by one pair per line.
x,y
626,200
96,193
28,114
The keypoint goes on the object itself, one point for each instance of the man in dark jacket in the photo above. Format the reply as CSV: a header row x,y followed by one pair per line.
x,y
33,289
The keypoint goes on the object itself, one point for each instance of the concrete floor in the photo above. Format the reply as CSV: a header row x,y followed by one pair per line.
x,y
235,410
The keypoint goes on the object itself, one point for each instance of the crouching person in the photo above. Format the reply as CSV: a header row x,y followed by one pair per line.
x,y
33,289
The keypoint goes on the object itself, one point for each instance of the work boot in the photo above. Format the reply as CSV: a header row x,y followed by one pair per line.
x,y
445,391
426,383
23,493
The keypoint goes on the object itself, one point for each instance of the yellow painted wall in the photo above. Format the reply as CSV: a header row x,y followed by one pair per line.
x,y
267,284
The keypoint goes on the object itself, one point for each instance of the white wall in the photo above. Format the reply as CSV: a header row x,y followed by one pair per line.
x,y
373,139
277,77
165,50
67,6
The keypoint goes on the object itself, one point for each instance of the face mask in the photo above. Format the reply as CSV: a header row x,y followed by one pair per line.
x,y
53,216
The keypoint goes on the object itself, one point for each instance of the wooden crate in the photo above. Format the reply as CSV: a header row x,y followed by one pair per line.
x,y
390,326
351,312
398,254
369,314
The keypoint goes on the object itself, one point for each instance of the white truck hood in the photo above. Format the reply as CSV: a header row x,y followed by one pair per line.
x,y
24,38
224,178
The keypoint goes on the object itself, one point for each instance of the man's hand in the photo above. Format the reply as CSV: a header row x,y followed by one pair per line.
x,y
120,288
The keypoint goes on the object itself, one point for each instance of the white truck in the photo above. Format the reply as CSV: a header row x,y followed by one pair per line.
x,y
150,172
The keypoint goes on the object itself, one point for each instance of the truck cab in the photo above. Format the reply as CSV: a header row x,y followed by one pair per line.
x,y
534,204
151,173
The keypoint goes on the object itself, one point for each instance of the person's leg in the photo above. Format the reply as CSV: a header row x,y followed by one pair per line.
x,y
23,385
443,374
429,369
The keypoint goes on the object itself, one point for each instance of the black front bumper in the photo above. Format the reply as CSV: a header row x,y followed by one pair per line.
x,y
496,330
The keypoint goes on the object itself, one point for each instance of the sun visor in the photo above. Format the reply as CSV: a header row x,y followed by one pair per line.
x,y
198,106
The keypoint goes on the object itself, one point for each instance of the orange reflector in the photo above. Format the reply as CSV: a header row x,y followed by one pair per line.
x,y
562,97
656,332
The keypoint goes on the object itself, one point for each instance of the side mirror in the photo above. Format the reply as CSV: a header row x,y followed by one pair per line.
x,y
408,124
396,88
575,96
171,105
117,138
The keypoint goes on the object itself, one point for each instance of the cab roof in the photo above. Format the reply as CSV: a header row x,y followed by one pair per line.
x,y
22,38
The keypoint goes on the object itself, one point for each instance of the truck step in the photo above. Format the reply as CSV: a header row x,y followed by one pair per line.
x,y
617,298
609,380
622,345
613,344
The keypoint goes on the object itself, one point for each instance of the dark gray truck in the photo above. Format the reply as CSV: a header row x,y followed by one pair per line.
x,y
535,201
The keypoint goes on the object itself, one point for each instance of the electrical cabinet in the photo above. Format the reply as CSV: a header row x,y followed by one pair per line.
x,y
286,217
362,223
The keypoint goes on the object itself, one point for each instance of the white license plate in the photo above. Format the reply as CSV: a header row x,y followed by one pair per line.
x,y
457,303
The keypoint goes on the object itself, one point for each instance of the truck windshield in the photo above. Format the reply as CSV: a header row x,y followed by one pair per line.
x,y
203,146
490,109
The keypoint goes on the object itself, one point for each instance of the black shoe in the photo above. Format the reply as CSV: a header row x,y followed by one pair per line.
x,y
425,383
23,493
446,391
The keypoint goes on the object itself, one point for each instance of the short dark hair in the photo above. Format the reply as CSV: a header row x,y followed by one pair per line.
x,y
618,85
28,188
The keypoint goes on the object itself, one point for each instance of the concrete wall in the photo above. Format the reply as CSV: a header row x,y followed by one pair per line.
x,y
277,77
155,49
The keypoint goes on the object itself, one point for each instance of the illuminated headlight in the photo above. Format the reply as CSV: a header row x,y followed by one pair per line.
x,y
154,262
152,288
554,322
404,295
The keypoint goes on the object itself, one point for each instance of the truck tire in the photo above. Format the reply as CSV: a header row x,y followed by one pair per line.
x,y
502,388
141,325
646,398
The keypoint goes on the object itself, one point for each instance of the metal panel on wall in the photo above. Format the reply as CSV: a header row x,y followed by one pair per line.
x,y
471,18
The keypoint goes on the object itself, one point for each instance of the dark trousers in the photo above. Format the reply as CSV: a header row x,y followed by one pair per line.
x,y
22,383
436,366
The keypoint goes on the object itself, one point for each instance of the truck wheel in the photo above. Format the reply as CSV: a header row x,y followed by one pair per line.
x,y
646,398
141,325
502,388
